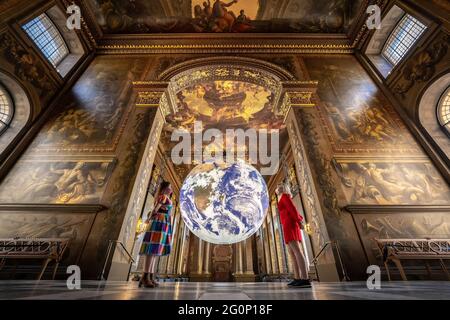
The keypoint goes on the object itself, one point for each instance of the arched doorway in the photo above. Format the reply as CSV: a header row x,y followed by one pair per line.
x,y
222,93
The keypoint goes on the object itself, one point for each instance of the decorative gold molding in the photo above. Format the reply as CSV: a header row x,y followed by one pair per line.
x,y
395,209
225,48
381,159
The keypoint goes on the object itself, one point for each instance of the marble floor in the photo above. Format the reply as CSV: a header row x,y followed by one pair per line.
x,y
96,290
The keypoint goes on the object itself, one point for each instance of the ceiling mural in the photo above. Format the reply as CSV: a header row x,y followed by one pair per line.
x,y
226,104
193,16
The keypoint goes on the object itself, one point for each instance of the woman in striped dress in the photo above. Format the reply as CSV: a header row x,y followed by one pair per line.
x,y
158,237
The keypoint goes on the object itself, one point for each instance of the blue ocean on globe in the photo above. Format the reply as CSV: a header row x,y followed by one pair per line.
x,y
224,203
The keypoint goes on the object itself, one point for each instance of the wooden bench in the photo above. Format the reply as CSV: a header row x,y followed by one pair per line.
x,y
44,249
396,250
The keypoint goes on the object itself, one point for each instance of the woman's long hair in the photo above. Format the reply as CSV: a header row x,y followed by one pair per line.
x,y
164,185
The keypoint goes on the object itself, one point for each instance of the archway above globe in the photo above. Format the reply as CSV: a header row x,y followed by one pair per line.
x,y
224,203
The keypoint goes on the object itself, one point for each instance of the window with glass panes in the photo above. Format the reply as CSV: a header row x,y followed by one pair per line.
x,y
47,38
401,40
6,109
444,110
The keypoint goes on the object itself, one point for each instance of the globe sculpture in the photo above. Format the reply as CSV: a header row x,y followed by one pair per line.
x,y
224,203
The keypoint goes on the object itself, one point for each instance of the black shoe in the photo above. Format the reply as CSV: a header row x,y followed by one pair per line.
x,y
293,282
302,284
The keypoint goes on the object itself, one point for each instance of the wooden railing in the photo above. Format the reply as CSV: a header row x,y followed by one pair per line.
x,y
46,249
396,250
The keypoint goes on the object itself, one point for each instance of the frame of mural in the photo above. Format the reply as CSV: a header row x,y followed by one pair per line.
x,y
57,181
356,116
99,106
388,182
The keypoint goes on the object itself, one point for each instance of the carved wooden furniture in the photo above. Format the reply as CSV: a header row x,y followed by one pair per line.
x,y
396,250
43,249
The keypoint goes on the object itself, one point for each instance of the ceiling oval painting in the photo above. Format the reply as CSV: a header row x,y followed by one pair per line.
x,y
225,16
226,103
225,97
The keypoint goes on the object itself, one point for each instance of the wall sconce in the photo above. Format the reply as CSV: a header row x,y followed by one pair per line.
x,y
308,229
141,226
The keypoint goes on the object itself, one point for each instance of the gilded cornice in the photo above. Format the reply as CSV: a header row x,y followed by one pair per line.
x,y
242,43
224,48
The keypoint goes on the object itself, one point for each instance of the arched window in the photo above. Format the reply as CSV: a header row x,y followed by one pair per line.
x,y
6,109
47,38
402,38
443,111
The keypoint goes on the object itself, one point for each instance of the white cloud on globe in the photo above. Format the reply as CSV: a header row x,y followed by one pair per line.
x,y
224,203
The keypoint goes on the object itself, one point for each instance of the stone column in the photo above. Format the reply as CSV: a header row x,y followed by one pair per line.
x,y
249,257
207,265
148,95
294,98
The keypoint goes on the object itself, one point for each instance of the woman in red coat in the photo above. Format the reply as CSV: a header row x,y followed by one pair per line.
x,y
292,223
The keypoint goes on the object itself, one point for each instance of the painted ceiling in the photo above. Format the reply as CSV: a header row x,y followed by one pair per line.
x,y
225,16
224,104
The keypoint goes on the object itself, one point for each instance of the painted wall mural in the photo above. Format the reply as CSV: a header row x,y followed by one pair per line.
x,y
375,156
27,66
72,158
400,226
389,183
422,66
56,182
95,110
42,225
80,157
183,16
355,114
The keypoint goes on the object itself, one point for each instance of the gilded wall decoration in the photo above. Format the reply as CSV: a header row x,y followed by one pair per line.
x,y
312,207
57,182
399,226
422,66
122,180
388,183
356,115
320,162
94,112
288,63
27,65
138,197
218,16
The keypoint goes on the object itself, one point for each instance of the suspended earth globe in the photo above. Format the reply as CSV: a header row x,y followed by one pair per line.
x,y
224,203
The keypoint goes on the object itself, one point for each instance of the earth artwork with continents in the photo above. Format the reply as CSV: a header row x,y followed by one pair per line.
x,y
224,203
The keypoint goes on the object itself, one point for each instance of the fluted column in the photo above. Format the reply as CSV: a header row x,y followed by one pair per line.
x,y
200,257
207,265
249,257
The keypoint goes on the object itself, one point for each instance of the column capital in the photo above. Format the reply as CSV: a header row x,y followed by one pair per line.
x,y
296,94
154,94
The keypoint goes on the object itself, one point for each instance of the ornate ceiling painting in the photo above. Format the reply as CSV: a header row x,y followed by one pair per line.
x,y
224,97
228,16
